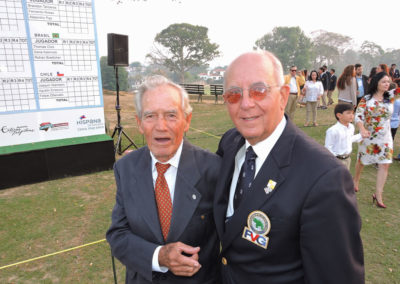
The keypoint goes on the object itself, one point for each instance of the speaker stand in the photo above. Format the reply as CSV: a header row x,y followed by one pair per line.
x,y
118,128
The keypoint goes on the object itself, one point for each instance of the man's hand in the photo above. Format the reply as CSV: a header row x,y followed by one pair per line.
x,y
171,256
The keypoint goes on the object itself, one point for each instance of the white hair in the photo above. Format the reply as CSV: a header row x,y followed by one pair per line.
x,y
155,81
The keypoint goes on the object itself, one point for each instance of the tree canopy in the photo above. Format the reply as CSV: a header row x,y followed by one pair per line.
x,y
289,44
181,47
108,76
293,47
328,47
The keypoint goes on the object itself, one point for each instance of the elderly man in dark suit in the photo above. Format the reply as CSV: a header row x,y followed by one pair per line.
x,y
162,224
285,208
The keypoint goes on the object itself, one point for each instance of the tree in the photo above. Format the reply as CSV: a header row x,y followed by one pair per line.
x,y
328,47
181,47
108,76
371,53
391,56
136,64
349,57
289,44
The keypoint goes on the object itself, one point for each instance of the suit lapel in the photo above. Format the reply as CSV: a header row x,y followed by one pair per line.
x,y
224,183
186,196
278,158
144,183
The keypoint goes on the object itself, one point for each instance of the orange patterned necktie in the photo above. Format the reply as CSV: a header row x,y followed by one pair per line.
x,y
163,199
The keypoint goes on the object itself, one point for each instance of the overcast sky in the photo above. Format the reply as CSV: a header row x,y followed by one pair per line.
x,y
236,24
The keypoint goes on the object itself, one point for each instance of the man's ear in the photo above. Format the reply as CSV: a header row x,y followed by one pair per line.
x,y
139,123
188,119
284,91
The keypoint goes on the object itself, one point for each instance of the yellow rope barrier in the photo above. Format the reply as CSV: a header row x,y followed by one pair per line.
x,y
209,134
51,254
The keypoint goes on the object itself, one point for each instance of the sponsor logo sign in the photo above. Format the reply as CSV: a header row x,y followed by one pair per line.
x,y
85,123
16,131
56,126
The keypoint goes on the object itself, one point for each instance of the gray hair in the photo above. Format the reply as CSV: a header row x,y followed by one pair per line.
x,y
275,62
156,81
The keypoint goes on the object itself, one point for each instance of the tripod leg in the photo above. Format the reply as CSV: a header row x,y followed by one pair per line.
x,y
115,131
130,140
118,144
120,132
113,266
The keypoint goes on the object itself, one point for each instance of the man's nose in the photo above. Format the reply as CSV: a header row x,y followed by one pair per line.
x,y
161,123
246,101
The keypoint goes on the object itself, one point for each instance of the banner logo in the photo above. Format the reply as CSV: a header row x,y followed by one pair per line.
x,y
87,124
57,126
18,130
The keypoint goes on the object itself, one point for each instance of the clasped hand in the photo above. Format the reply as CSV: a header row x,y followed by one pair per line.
x,y
172,256
365,134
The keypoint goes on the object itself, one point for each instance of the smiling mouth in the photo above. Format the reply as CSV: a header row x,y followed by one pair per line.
x,y
249,118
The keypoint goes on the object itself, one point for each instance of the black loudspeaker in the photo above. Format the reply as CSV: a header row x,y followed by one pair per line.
x,y
117,50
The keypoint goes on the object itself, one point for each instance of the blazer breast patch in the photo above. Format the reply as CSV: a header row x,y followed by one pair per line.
x,y
258,226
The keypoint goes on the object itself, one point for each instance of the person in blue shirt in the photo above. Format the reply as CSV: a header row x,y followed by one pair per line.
x,y
394,121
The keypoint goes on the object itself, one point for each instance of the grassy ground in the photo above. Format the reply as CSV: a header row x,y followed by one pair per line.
x,y
48,217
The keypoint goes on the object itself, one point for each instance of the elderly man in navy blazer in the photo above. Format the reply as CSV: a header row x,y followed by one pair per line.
x,y
162,228
285,208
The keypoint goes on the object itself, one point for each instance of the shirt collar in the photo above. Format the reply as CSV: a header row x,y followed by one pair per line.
x,y
174,161
342,125
265,146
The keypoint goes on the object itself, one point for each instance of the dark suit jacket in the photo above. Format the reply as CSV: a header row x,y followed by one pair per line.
x,y
135,230
325,77
332,82
395,74
315,225
365,85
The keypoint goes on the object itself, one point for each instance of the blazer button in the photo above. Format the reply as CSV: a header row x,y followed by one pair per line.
x,y
224,261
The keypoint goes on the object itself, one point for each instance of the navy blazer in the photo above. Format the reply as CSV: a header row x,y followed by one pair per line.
x,y
135,230
315,227
332,82
325,78
395,74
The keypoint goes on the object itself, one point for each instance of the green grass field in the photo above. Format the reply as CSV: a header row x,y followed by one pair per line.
x,y
49,217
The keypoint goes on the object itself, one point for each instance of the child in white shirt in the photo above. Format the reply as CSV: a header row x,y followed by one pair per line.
x,y
339,137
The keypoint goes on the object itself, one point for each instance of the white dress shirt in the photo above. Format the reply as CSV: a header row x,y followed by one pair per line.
x,y
293,85
170,177
262,150
339,139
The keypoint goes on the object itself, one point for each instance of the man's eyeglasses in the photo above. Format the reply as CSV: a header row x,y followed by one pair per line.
x,y
257,91
293,70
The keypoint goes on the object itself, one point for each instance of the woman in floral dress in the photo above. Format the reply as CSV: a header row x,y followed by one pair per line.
x,y
373,117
